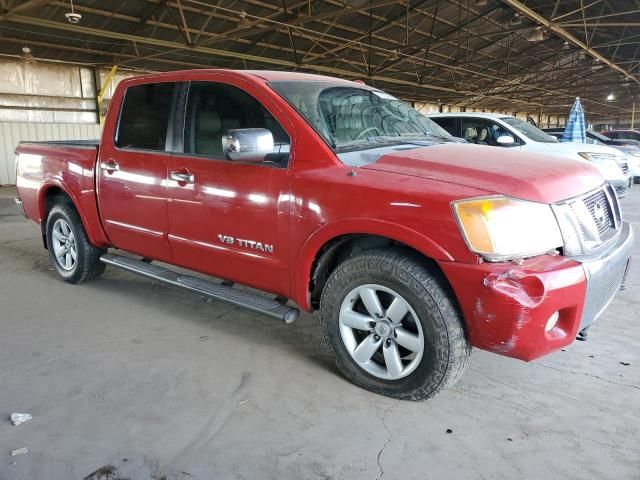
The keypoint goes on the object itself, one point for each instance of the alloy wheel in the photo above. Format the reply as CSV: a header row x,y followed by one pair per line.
x,y
381,331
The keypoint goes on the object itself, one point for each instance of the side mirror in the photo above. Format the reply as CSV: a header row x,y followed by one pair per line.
x,y
505,140
247,144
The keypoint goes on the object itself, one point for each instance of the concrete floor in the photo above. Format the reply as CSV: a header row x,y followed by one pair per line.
x,y
158,383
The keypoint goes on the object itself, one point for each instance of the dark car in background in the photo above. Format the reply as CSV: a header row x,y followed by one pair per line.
x,y
622,134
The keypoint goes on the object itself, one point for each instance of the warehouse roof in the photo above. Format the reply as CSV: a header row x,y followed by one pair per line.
x,y
503,55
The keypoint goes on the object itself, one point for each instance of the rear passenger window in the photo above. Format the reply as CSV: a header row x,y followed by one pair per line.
x,y
144,116
450,124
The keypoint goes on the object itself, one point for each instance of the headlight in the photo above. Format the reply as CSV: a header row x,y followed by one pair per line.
x,y
609,165
604,159
502,228
634,153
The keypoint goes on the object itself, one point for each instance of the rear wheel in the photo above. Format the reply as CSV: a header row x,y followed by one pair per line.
x,y
393,325
70,252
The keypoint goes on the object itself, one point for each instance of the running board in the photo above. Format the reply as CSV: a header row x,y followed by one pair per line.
x,y
251,301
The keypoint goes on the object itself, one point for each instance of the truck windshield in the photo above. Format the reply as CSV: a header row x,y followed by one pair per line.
x,y
528,130
352,118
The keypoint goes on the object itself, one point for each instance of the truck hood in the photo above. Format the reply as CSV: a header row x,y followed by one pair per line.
x,y
528,176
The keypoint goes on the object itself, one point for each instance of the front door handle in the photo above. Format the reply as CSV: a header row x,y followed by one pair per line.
x,y
109,166
182,177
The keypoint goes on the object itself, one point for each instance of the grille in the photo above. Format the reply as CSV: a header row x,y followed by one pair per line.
x,y
600,210
610,286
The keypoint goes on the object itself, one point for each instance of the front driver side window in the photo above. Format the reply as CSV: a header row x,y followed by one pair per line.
x,y
484,132
215,108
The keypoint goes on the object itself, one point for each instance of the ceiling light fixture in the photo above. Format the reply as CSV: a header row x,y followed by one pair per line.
x,y
535,35
516,19
244,21
73,17
611,97
481,3
27,56
565,45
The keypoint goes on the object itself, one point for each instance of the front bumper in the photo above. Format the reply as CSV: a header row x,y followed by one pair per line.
x,y
606,275
506,306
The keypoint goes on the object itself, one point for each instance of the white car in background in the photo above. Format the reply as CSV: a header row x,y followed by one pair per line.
x,y
631,148
511,132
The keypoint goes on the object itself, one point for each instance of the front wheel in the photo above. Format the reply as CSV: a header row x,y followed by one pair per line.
x,y
393,325
70,252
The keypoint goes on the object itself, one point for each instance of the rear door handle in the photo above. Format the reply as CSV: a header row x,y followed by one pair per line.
x,y
109,166
182,177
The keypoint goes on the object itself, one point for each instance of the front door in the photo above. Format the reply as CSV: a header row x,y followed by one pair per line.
x,y
132,172
230,219
482,131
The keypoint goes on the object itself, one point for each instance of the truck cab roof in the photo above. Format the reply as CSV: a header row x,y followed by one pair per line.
x,y
265,75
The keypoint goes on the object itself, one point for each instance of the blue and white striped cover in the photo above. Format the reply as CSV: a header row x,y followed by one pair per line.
x,y
576,129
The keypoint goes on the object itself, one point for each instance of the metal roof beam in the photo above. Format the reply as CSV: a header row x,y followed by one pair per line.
x,y
241,55
22,7
565,35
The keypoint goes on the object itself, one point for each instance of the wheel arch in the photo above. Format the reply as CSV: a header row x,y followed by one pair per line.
x,y
49,195
327,248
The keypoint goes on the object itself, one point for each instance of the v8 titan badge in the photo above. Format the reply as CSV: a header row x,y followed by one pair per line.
x,y
241,242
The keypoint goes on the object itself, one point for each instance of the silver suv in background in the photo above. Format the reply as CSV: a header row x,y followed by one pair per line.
x,y
511,132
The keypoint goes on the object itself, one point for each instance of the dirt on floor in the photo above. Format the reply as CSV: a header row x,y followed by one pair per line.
x,y
130,379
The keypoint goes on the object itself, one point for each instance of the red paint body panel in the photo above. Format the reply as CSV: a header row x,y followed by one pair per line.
x,y
404,196
71,169
506,306
243,201
493,170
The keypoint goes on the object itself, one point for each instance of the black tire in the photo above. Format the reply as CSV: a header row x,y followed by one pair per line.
x,y
446,348
88,265
636,180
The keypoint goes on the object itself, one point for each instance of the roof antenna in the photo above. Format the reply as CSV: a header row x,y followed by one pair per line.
x,y
72,16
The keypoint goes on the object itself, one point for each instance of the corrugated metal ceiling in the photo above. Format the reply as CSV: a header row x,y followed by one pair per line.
x,y
467,53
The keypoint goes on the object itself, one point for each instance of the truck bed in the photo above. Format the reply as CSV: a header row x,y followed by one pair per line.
x,y
43,168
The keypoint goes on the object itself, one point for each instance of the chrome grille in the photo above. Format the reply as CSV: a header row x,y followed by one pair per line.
x,y
600,210
589,222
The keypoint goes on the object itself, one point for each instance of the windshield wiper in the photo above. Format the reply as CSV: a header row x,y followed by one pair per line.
x,y
379,140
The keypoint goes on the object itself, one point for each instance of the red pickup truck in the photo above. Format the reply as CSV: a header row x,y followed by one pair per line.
x,y
337,197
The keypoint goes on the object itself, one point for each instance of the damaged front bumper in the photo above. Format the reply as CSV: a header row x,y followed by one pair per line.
x,y
529,310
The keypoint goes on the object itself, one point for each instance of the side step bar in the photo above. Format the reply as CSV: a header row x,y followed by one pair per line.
x,y
250,301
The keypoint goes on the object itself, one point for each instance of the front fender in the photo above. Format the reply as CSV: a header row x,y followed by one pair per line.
x,y
351,226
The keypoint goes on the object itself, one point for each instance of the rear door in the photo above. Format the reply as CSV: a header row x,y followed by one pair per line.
x,y
132,171
230,219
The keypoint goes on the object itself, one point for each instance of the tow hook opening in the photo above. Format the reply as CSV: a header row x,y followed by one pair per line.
x,y
559,323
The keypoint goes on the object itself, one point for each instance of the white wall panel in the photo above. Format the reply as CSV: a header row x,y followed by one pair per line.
x,y
11,133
